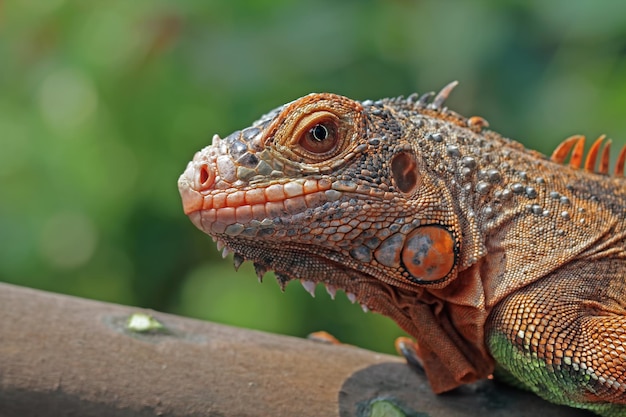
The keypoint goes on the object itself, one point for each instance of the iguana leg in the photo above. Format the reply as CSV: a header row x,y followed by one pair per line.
x,y
502,375
564,337
405,346
409,349
324,337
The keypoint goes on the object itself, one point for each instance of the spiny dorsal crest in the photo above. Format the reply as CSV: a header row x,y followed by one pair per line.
x,y
577,142
426,100
431,102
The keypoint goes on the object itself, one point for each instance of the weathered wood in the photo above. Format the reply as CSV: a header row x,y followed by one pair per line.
x,y
61,355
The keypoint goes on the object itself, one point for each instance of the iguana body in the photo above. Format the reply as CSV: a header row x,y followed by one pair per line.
x,y
492,256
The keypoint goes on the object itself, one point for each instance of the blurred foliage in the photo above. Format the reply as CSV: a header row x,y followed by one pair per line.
x,y
103,103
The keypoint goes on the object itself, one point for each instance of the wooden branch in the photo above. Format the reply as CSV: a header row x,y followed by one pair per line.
x,y
61,355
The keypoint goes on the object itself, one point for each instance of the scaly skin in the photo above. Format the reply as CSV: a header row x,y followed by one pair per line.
x,y
492,256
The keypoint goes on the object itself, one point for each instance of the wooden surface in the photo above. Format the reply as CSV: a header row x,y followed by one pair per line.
x,y
64,356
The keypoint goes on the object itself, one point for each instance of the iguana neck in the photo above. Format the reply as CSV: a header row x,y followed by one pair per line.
x,y
515,204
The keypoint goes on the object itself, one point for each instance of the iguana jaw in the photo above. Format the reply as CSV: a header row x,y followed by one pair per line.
x,y
275,238
294,261
254,224
312,266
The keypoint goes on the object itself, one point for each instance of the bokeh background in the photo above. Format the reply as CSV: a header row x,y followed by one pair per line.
x,y
103,103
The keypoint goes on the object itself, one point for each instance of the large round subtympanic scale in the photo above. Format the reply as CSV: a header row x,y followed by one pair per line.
x,y
429,253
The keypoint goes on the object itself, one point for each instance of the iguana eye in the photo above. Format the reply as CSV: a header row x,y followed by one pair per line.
x,y
314,130
321,138
318,136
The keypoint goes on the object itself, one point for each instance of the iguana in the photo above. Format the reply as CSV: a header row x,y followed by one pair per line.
x,y
495,258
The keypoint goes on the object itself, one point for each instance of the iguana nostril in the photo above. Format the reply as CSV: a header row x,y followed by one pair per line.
x,y
206,177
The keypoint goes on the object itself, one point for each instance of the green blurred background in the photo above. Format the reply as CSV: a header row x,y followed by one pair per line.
x,y
103,103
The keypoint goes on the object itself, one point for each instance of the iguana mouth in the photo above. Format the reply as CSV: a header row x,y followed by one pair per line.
x,y
247,211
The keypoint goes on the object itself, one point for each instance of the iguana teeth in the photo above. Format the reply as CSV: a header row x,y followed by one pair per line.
x,y
351,297
331,290
238,259
309,286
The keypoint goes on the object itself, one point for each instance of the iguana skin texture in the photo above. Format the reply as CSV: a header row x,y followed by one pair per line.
x,y
495,258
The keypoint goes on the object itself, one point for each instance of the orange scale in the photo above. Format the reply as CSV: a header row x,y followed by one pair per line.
x,y
275,209
226,215
258,211
429,253
255,196
295,205
310,186
235,199
219,200
275,193
244,214
208,202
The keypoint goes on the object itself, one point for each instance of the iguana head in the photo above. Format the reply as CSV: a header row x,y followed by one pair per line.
x,y
327,189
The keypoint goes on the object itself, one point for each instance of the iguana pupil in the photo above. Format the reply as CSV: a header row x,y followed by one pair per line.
x,y
319,132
